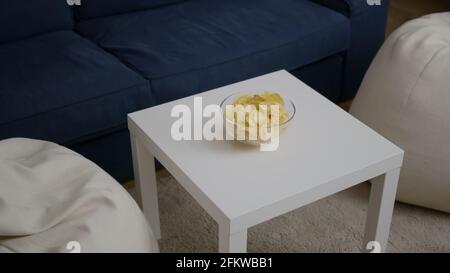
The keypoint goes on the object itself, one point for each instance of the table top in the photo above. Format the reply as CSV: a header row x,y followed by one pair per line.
x,y
324,150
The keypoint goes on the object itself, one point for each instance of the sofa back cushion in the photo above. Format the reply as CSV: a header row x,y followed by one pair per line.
x,y
98,8
24,18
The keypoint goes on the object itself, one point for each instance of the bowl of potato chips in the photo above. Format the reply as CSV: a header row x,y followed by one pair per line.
x,y
256,118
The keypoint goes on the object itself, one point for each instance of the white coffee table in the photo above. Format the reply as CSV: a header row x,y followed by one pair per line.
x,y
325,150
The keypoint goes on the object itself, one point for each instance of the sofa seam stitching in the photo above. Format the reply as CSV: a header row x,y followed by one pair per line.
x,y
231,60
416,82
239,58
76,103
102,132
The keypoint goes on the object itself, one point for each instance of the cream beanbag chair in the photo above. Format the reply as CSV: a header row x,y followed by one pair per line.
x,y
405,96
54,200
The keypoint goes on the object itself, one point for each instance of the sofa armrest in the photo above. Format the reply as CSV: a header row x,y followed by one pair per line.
x,y
368,25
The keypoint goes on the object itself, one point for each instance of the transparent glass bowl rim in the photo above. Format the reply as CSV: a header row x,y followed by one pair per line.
x,y
286,100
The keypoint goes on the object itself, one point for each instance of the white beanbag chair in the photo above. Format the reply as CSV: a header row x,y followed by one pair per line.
x,y
54,200
405,96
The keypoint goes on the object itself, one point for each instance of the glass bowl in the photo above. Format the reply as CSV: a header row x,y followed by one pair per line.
x,y
289,107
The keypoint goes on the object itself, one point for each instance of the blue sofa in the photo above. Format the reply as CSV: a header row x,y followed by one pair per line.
x,y
70,74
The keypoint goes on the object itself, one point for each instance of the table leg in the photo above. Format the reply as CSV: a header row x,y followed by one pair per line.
x,y
145,181
381,205
232,242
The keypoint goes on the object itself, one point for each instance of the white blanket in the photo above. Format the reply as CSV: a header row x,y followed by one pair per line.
x,y
51,196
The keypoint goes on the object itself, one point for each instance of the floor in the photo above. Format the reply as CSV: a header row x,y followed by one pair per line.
x,y
405,10
334,224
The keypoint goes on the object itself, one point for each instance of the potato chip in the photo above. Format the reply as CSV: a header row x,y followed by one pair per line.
x,y
264,117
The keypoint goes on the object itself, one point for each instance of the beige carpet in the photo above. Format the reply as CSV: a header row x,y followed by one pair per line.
x,y
334,224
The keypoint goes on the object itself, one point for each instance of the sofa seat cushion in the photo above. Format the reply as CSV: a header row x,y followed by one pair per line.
x,y
198,45
99,8
62,87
